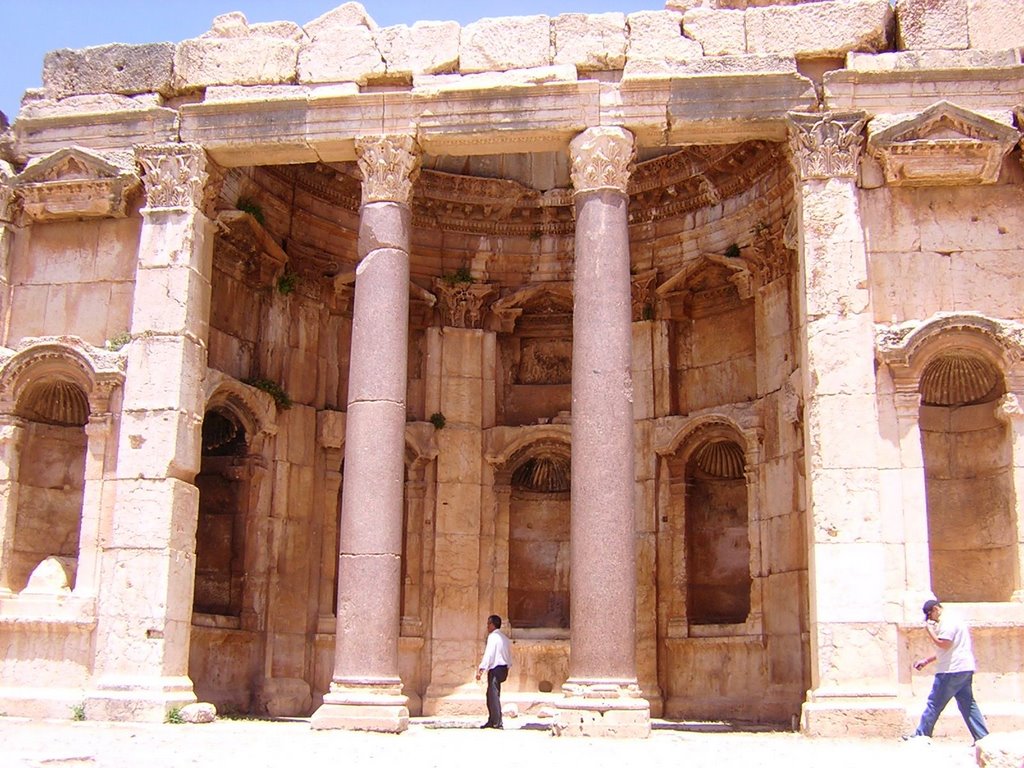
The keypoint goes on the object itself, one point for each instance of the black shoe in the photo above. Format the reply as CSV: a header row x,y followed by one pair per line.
x,y
486,725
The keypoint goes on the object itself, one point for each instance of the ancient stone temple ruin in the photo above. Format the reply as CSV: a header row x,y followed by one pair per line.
x,y
691,341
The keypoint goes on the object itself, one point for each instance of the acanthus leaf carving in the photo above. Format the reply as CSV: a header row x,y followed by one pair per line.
x,y
826,145
175,174
602,158
461,303
389,166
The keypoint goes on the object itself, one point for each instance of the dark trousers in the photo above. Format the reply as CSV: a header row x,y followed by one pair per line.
x,y
953,685
495,677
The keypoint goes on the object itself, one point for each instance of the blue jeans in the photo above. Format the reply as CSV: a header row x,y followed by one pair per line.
x,y
953,685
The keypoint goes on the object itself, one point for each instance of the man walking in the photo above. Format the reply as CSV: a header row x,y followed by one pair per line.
x,y
954,671
496,660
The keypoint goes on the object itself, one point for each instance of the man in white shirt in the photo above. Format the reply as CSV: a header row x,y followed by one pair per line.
x,y
496,660
954,671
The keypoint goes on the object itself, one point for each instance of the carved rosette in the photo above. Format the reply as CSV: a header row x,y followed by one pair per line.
x,y
389,166
175,174
827,145
602,158
462,303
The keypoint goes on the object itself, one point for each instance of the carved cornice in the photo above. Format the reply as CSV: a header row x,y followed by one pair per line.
x,y
602,158
175,174
826,145
76,183
245,251
389,166
944,145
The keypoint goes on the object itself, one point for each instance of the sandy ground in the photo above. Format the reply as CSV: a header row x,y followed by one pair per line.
x,y
292,744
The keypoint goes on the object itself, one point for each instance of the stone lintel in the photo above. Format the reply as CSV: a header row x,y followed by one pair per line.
x,y
899,91
35,136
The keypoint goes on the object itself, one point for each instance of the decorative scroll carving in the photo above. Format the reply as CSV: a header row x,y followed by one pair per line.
x,y
462,302
602,158
945,144
75,183
389,166
175,174
826,145
645,300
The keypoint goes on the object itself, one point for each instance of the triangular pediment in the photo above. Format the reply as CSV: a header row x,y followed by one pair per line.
x,y
77,183
943,145
545,300
76,164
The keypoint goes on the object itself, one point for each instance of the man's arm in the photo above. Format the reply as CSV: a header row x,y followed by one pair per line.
x,y
932,628
488,657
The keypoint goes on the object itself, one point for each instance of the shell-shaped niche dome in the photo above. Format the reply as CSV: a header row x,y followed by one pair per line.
x,y
54,401
545,474
222,434
721,458
960,379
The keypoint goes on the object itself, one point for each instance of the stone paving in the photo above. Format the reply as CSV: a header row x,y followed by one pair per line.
x,y
452,744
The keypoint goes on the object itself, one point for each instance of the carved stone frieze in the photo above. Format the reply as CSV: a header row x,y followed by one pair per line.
x,y
175,174
543,300
602,158
389,166
771,255
826,145
76,183
462,303
943,145
545,361
245,251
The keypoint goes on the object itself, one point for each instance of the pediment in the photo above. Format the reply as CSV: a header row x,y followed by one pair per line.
x,y
76,183
944,145
545,300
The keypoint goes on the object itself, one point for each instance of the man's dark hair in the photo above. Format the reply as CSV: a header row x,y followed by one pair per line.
x,y
495,619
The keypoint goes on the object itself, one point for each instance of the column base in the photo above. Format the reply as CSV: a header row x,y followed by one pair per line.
x,y
380,708
138,699
603,710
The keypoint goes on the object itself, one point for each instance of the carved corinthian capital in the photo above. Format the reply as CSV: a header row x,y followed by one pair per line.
x,y
826,145
175,174
389,166
602,158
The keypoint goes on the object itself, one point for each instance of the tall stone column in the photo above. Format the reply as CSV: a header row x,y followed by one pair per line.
x,y
1011,413
148,542
601,695
366,690
853,638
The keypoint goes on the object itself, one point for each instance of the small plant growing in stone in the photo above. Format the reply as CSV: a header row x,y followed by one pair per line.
x,y
733,251
174,716
250,206
437,419
272,388
287,282
460,275
119,341
78,713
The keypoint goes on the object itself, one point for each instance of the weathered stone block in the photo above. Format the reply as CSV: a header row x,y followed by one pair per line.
x,y
255,60
506,43
926,24
590,42
718,32
427,47
657,45
995,24
117,68
832,28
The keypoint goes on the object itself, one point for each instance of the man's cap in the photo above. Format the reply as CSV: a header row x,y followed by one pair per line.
x,y
928,605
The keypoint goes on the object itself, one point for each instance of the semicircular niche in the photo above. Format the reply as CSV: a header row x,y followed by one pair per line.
x,y
54,401
959,379
721,458
545,474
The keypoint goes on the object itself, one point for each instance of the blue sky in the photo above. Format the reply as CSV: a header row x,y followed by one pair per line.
x,y
30,28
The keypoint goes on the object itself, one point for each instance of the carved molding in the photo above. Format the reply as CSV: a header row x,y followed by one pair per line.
x,y
602,158
245,251
462,303
543,298
76,183
826,145
389,166
175,174
943,145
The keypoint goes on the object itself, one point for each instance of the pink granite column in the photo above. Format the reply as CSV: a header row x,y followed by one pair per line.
x,y
602,696
366,690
